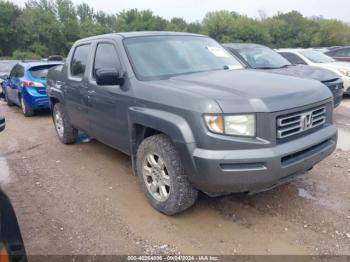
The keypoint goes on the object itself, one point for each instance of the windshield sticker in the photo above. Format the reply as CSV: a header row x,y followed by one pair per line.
x,y
218,52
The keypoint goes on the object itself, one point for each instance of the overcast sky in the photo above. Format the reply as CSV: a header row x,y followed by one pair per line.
x,y
193,10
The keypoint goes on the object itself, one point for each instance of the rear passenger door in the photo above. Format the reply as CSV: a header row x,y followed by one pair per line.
x,y
108,104
76,89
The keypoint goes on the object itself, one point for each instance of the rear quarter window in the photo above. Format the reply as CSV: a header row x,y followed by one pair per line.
x,y
79,60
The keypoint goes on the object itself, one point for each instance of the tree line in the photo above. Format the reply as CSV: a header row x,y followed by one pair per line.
x,y
49,27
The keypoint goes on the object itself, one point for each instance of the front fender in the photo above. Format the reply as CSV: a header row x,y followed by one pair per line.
x,y
172,125
175,126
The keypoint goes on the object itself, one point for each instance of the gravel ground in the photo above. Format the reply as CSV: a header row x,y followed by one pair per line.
x,y
83,199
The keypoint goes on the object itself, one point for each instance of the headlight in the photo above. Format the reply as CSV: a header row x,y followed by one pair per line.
x,y
235,125
344,72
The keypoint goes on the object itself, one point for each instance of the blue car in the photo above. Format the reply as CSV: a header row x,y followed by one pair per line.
x,y
26,86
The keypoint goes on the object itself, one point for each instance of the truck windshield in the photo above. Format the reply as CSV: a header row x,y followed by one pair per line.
x,y
161,57
317,57
263,58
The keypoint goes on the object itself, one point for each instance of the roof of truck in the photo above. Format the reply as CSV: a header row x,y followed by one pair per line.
x,y
140,34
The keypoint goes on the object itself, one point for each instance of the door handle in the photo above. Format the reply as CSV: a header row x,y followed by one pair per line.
x,y
91,92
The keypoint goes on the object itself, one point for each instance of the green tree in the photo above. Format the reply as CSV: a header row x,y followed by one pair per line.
x,y
69,26
85,13
194,27
177,24
46,27
22,55
39,29
291,29
218,24
227,26
9,29
107,21
331,32
135,20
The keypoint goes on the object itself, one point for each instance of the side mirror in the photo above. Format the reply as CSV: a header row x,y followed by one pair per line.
x,y
2,124
109,77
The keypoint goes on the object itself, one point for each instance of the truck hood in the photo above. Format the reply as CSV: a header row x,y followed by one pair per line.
x,y
304,71
252,91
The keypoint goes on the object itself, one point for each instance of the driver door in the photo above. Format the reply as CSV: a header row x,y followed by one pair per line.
x,y
108,105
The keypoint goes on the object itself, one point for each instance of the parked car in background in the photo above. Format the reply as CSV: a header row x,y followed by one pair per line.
x,y
189,119
55,58
340,53
321,49
26,86
5,68
263,58
318,59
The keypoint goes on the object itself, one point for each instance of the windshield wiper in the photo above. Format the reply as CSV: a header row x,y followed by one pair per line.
x,y
266,67
271,67
284,66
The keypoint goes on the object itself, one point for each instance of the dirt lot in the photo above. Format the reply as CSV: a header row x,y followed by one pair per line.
x,y
83,199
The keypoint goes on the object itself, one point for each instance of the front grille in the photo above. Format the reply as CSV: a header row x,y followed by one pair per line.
x,y
297,123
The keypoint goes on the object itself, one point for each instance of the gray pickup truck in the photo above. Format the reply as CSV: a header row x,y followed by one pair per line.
x,y
189,116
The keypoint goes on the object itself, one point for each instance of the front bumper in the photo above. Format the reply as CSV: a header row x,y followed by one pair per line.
x,y
258,169
34,99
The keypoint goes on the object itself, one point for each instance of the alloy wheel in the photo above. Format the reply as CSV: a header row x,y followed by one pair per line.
x,y
156,177
59,123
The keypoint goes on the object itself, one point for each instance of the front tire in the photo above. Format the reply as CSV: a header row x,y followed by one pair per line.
x,y
162,176
25,109
66,133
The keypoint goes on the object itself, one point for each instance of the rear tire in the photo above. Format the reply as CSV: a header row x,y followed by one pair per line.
x,y
9,103
66,133
162,176
27,112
